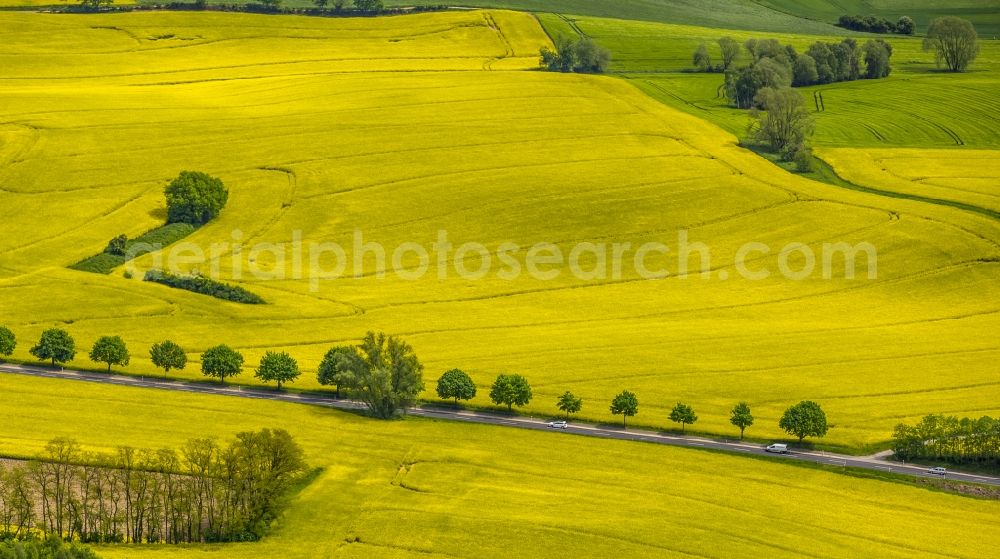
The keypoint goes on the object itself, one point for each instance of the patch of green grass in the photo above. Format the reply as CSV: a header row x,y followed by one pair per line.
x,y
424,488
150,241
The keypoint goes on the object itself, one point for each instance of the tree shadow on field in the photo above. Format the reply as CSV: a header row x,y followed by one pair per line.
x,y
931,69
159,214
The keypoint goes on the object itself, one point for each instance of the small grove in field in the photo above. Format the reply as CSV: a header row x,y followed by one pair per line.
x,y
775,65
877,24
201,492
581,55
193,199
948,438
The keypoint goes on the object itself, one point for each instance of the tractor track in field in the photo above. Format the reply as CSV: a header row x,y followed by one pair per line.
x,y
491,23
872,463
573,25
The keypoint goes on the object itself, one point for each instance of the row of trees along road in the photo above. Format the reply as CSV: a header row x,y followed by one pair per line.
x,y
221,362
805,419
202,492
384,373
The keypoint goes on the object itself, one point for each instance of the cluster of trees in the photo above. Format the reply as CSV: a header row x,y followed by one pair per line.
x,y
202,493
948,438
878,24
782,124
204,286
730,52
95,5
196,198
193,199
382,372
364,6
117,245
582,56
771,64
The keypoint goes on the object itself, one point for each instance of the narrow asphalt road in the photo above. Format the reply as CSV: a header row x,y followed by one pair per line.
x,y
586,429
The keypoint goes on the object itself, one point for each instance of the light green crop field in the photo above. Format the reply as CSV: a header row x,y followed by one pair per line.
x,y
420,488
985,14
401,127
917,106
737,14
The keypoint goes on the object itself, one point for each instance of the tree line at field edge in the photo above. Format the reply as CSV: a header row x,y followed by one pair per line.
x,y
382,372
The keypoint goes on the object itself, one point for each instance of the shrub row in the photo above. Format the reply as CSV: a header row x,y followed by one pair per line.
x,y
877,24
204,286
50,548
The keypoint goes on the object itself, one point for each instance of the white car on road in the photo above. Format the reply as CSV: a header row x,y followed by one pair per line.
x,y
780,448
558,424
938,471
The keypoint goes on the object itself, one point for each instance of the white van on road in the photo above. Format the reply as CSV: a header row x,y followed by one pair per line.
x,y
780,448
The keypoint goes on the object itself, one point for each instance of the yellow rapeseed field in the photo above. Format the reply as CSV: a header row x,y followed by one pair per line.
x,y
402,127
968,176
419,488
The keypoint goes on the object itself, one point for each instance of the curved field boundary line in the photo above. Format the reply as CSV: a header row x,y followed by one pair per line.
x,y
844,183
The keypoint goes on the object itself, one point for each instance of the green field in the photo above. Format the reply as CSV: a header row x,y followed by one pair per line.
x,y
401,127
914,107
985,14
419,488
737,14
